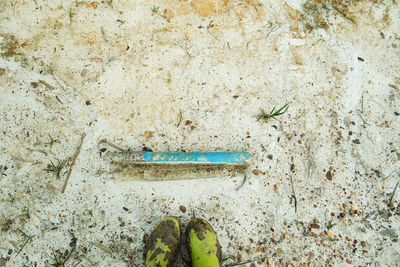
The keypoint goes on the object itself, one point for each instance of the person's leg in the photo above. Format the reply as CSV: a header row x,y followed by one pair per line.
x,y
163,244
204,248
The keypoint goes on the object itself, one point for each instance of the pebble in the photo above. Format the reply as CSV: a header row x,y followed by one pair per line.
x,y
148,134
182,208
314,225
314,234
356,141
329,175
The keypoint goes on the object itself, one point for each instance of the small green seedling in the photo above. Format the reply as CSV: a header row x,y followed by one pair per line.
x,y
266,116
155,9
52,141
56,169
329,225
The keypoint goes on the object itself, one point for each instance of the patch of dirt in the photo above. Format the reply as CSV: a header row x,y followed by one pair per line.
x,y
9,45
319,14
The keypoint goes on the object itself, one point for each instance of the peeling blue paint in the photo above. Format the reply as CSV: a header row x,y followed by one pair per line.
x,y
197,157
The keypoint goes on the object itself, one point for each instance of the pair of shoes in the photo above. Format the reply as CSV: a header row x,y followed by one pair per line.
x,y
163,244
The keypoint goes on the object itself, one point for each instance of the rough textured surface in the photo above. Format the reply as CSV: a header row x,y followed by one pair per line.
x,y
193,75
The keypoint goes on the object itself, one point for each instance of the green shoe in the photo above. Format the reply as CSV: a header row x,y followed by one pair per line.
x,y
205,250
163,244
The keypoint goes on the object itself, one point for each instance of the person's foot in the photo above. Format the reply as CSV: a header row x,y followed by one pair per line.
x,y
163,244
204,247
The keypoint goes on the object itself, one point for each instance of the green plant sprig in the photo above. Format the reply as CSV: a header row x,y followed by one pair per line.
x,y
52,141
274,113
56,169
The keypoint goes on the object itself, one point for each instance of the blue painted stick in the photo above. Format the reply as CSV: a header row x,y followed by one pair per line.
x,y
218,158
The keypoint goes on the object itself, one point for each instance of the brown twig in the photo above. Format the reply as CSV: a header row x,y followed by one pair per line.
x,y
243,182
293,195
241,263
46,84
390,174
59,100
73,163
58,82
358,113
112,145
394,192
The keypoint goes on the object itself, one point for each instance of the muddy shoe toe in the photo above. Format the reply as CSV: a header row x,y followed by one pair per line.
x,y
204,247
163,244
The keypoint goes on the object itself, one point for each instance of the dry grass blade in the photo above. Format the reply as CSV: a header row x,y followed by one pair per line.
x,y
73,163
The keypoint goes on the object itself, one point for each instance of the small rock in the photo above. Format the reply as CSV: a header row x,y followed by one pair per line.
x,y
182,208
315,226
270,156
292,167
188,122
146,149
356,141
148,134
329,175
255,172
314,234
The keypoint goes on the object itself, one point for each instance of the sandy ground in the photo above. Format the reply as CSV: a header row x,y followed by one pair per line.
x,y
182,75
